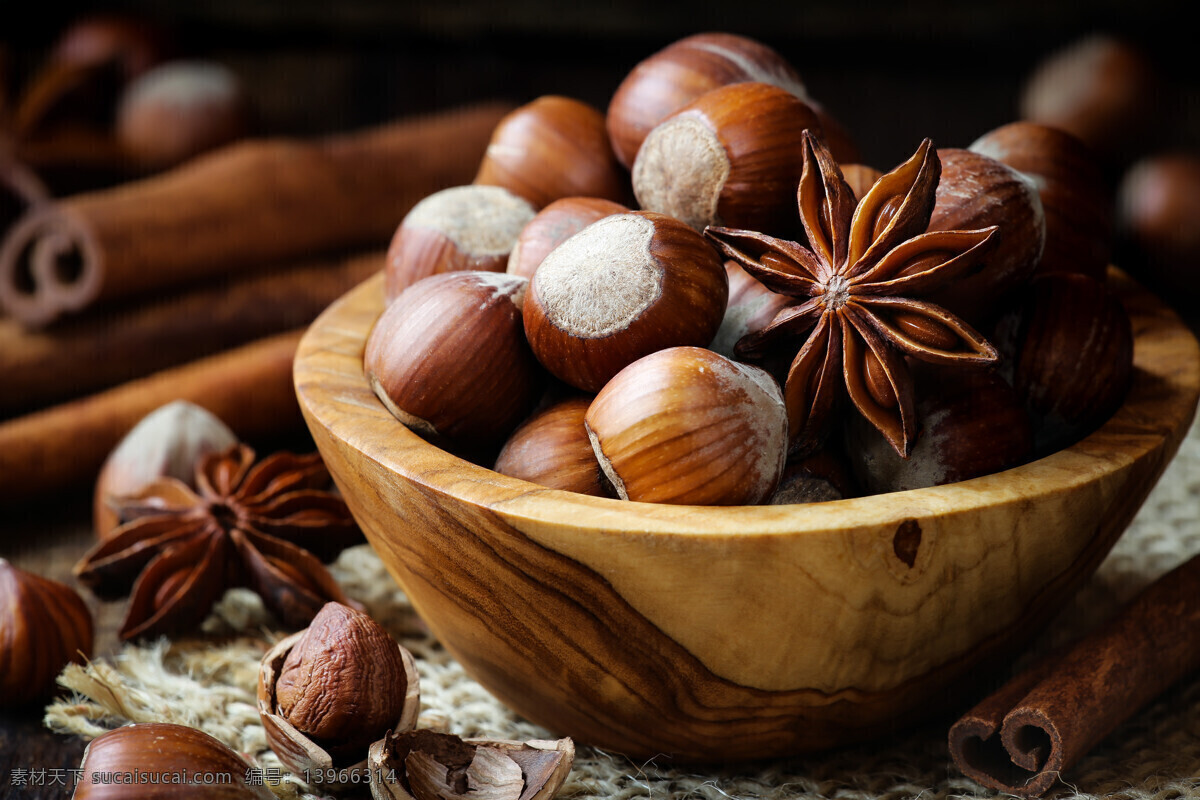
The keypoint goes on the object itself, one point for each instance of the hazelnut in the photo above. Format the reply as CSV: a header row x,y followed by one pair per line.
x,y
456,229
326,693
552,148
860,178
180,109
1158,203
750,308
158,759
975,192
552,449
728,158
816,478
678,74
688,426
1073,357
1075,197
1101,89
972,424
166,443
44,625
448,358
620,289
552,226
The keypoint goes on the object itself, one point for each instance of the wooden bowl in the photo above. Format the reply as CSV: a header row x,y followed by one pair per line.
x,y
746,632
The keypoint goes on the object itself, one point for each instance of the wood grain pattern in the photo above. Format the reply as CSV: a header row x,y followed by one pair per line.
x,y
735,633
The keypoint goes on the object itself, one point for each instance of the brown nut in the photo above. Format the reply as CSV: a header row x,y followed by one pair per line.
x,y
44,625
552,226
157,760
1075,196
816,478
977,192
180,109
688,426
326,693
449,358
166,443
457,229
673,77
1101,89
860,178
424,765
751,307
972,424
620,289
728,158
1158,203
552,449
1073,357
551,148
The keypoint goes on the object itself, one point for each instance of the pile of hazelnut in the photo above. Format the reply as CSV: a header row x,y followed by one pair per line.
x,y
566,320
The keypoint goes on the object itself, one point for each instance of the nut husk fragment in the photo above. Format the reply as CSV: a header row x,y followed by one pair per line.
x,y
424,765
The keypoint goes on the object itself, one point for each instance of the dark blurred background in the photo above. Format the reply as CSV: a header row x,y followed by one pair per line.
x,y
892,72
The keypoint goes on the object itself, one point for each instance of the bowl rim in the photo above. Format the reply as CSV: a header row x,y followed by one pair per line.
x,y
1152,421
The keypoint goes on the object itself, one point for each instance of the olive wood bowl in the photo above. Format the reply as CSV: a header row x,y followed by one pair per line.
x,y
744,632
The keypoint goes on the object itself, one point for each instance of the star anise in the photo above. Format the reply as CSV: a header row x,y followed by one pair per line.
x,y
858,282
266,525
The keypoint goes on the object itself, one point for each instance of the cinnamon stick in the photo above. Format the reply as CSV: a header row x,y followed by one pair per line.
x,y
1043,721
249,388
243,206
93,352
20,187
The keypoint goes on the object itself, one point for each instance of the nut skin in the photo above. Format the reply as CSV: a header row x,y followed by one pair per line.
x,y
668,80
1158,205
1075,196
1072,358
552,226
552,449
326,693
551,148
167,442
975,192
681,296
463,228
728,158
449,358
162,761
44,625
972,424
688,426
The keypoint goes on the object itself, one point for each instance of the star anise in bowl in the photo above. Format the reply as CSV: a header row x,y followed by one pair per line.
x,y
858,286
267,525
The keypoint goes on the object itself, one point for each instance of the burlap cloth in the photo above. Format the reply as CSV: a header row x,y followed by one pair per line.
x,y
209,683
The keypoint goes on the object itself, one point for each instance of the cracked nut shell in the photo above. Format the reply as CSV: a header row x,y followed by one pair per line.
x,y
327,692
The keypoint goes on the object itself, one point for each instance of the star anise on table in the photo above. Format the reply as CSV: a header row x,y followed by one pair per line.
x,y
858,285
267,525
